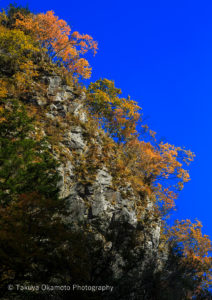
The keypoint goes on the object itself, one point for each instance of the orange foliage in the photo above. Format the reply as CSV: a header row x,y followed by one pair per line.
x,y
55,35
151,165
196,247
158,163
166,196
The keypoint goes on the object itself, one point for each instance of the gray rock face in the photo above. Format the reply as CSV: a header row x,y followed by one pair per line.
x,y
67,175
127,247
104,178
74,139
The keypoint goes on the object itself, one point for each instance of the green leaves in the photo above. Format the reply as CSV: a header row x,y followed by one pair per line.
x,y
32,228
25,164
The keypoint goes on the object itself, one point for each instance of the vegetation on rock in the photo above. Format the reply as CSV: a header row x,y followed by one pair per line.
x,y
33,46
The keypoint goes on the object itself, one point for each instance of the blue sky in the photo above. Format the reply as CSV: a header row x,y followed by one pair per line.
x,y
160,53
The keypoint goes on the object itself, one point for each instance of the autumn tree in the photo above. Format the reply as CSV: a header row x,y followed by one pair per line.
x,y
186,270
118,116
195,248
162,167
177,279
18,67
62,46
11,12
152,168
16,47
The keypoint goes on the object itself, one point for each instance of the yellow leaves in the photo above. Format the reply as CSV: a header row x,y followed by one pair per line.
x,y
15,42
24,77
3,88
2,118
19,48
55,35
117,115
152,165
29,68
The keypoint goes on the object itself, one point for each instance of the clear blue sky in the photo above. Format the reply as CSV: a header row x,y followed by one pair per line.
x,y
159,52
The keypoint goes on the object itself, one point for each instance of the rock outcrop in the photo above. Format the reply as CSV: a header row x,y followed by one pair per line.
x,y
127,245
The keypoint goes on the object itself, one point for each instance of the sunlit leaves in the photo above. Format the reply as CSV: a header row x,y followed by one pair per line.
x,y
3,88
118,116
195,247
55,35
16,43
157,168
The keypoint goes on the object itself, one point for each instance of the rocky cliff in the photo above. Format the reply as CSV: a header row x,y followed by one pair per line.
x,y
124,242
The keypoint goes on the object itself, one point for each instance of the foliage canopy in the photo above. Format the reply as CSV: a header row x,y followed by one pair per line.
x,y
55,36
151,164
